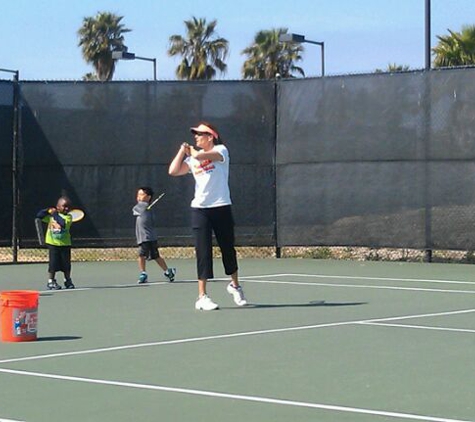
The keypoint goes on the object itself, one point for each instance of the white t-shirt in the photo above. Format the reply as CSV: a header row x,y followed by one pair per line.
x,y
211,180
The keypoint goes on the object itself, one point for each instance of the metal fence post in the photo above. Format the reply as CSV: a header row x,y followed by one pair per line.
x,y
15,166
276,244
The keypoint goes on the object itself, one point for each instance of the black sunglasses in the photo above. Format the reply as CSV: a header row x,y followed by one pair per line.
x,y
201,133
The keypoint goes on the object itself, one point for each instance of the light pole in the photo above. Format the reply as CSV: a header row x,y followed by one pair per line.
x,y
427,35
124,55
296,38
15,72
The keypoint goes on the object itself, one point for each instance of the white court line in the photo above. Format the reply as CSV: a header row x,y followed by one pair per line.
x,y
257,399
420,327
234,335
250,280
179,341
360,286
352,277
9,420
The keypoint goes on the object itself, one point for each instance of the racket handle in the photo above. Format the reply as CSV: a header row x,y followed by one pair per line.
x,y
39,231
152,204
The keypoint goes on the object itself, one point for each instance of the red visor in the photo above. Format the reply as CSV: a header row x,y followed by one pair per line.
x,y
204,129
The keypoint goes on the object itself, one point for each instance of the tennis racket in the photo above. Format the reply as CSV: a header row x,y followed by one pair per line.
x,y
156,200
39,231
76,214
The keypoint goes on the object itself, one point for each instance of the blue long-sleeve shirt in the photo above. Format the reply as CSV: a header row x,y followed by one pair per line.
x,y
58,233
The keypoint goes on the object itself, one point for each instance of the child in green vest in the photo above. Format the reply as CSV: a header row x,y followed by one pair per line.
x,y
58,241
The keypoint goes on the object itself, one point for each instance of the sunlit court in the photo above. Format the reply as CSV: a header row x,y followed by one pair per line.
x,y
319,340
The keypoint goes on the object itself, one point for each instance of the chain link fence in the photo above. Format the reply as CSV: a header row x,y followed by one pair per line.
x,y
360,167
40,255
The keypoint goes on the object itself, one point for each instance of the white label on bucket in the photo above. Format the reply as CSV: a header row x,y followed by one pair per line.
x,y
25,322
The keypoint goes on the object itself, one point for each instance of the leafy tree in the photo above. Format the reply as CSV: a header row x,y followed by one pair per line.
x,y
393,67
456,49
267,57
98,37
202,51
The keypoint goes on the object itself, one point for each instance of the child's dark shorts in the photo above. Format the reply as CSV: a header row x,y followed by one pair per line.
x,y
59,258
149,250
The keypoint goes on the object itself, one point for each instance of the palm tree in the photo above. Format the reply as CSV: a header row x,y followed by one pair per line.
x,y
90,76
202,52
393,67
268,57
98,37
456,49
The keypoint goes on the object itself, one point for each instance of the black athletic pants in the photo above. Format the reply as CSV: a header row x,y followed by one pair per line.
x,y
59,259
204,222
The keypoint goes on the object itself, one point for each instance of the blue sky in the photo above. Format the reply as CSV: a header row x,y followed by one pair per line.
x,y
39,37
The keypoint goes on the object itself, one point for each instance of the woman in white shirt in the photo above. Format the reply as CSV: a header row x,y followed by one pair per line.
x,y
210,209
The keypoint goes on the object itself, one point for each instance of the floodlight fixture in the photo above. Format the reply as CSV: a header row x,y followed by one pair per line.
x,y
125,55
299,39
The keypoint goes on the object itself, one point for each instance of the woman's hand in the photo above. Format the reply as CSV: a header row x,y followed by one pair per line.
x,y
178,166
186,148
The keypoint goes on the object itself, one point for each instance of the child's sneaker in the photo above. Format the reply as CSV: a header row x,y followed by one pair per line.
x,y
204,303
237,294
52,285
68,284
170,274
143,277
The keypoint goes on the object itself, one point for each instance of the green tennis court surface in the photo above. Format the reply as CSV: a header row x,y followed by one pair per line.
x,y
320,341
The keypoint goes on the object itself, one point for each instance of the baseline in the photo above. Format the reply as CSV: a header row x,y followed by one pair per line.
x,y
352,277
360,286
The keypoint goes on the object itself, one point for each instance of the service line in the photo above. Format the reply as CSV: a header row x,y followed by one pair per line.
x,y
232,335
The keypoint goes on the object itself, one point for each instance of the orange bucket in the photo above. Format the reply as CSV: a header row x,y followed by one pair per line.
x,y
18,315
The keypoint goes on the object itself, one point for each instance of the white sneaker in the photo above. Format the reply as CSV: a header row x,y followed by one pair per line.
x,y
237,294
204,303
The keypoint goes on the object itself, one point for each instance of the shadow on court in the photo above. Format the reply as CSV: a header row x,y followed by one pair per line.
x,y
59,338
301,305
124,286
